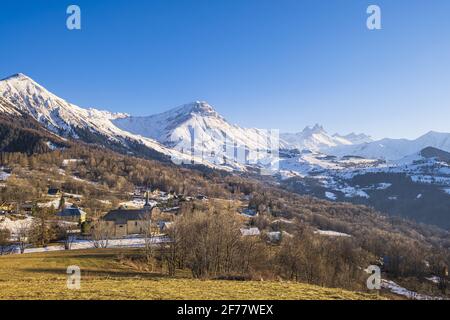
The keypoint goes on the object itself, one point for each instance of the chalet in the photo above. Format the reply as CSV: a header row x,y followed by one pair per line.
x,y
72,213
27,207
249,212
122,222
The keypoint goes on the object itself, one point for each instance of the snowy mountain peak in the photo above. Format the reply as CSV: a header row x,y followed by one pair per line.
x,y
16,76
200,108
317,128
313,138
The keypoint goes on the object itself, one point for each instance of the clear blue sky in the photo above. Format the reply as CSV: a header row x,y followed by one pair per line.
x,y
261,63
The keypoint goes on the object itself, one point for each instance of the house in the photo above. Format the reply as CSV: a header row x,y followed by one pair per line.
x,y
55,192
250,232
122,222
249,212
72,213
27,207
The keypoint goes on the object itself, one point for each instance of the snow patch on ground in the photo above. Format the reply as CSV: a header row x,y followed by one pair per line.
x,y
397,289
4,176
130,242
330,195
137,203
331,233
351,192
14,225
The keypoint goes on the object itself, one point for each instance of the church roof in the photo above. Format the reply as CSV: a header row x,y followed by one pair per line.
x,y
121,216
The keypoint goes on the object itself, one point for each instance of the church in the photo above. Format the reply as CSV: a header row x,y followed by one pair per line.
x,y
123,222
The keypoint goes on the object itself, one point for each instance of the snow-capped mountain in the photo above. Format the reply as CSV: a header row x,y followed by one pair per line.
x,y
317,139
58,115
20,94
394,149
197,127
198,118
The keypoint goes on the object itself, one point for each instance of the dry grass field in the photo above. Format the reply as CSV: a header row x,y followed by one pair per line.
x,y
43,276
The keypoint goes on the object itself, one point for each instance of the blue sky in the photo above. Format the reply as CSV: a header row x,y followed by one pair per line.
x,y
261,63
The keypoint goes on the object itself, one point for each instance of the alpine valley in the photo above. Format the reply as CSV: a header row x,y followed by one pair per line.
x,y
408,178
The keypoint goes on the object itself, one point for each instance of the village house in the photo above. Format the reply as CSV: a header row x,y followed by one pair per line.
x,y
249,212
122,222
73,213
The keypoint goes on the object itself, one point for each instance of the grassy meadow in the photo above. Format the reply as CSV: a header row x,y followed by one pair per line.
x,y
104,276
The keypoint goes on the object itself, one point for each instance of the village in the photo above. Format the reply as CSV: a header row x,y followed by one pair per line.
x,y
146,214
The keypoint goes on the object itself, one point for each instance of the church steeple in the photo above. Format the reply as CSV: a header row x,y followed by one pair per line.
x,y
147,204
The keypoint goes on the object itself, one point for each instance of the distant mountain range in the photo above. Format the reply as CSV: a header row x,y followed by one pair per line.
x,y
19,94
336,167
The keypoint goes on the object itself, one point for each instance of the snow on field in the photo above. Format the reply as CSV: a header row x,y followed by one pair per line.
x,y
331,233
330,195
351,192
67,162
130,242
14,225
434,279
395,288
383,186
4,176
137,203
430,179
73,195
447,190
49,204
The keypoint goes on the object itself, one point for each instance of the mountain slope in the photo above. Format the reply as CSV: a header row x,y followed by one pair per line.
x,y
198,128
20,95
25,135
394,149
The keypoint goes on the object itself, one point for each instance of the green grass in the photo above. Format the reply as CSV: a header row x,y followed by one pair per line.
x,y
43,276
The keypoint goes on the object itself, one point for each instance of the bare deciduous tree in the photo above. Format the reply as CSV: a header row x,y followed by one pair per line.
x,y
23,232
100,234
5,243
